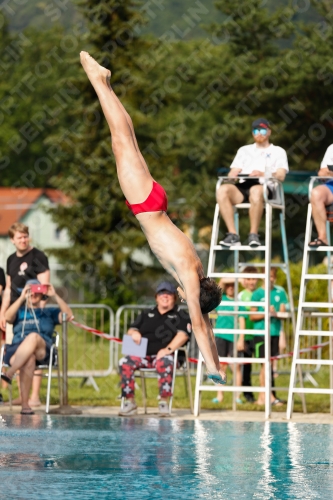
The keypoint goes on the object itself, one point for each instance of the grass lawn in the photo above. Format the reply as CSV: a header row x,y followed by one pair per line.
x,y
110,390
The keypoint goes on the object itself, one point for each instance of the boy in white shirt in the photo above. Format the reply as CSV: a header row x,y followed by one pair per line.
x,y
251,160
322,198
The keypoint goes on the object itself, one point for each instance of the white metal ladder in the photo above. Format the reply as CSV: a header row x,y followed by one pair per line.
x,y
276,202
306,278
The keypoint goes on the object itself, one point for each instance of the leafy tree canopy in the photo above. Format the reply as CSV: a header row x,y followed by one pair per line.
x,y
192,102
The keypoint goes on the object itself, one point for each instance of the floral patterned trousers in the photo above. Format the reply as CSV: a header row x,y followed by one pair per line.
x,y
163,366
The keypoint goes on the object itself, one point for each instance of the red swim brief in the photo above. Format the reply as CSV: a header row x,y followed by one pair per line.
x,y
157,201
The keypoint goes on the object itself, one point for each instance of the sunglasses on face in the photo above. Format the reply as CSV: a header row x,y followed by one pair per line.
x,y
261,131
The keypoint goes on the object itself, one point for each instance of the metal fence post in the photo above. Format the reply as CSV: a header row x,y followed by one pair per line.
x,y
64,345
65,408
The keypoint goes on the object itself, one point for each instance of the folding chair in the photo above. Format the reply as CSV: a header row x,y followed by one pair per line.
x,y
52,365
184,370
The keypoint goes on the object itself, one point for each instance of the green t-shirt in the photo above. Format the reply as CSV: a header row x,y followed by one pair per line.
x,y
227,322
246,296
278,296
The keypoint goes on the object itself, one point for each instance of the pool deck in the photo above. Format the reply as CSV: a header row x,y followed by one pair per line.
x,y
184,414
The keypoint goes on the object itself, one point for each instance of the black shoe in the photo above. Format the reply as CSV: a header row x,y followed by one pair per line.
x,y
253,240
230,239
6,379
1,398
249,398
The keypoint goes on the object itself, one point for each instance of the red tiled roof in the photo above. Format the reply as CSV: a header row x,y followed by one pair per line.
x,y
15,203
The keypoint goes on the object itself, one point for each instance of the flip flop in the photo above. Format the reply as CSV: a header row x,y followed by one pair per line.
x,y
217,379
27,411
6,379
317,243
277,402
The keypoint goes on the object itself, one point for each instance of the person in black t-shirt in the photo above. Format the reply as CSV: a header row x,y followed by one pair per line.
x,y
2,282
167,328
25,264
2,287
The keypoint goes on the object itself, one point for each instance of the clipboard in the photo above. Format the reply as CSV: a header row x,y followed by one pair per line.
x,y
130,348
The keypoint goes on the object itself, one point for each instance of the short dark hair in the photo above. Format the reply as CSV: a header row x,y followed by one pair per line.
x,y
210,295
250,269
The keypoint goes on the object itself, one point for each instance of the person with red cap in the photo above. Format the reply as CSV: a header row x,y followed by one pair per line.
x,y
252,161
33,328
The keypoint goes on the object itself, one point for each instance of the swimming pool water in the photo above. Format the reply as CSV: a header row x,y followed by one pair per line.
x,y
51,457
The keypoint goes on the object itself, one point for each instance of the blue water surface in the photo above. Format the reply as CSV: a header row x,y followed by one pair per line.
x,y
51,457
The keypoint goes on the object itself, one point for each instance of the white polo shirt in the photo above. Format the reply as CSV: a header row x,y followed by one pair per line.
x,y
250,158
328,160
328,157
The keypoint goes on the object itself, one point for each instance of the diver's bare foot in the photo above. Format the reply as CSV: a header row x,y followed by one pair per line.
x,y
94,71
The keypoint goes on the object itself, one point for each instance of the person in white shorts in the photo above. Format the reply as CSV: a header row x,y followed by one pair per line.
x,y
251,161
322,200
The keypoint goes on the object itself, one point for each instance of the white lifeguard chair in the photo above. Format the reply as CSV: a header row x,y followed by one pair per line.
x,y
276,202
314,309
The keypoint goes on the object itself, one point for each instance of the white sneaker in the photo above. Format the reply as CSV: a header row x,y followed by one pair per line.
x,y
129,409
163,409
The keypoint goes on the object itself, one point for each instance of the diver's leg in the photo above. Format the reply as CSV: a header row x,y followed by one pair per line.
x,y
134,177
131,126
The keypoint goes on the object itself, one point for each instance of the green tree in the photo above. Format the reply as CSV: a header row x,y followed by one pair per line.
x,y
103,231
33,103
192,105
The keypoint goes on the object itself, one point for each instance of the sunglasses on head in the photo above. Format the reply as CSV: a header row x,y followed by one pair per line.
x,y
261,131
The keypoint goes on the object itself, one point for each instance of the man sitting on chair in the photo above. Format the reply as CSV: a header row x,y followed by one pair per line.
x,y
167,328
251,160
321,198
33,328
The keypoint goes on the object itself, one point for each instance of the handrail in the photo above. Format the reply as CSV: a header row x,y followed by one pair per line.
x,y
314,179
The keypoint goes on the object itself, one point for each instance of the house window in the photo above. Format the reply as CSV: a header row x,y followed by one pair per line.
x,y
57,234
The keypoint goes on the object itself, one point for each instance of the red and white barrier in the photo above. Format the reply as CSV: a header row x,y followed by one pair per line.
x,y
97,332
94,331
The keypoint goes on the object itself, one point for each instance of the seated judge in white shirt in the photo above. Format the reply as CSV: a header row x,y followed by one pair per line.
x,y
321,198
251,161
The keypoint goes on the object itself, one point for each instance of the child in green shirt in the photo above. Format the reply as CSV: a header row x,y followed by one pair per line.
x,y
278,301
225,341
245,343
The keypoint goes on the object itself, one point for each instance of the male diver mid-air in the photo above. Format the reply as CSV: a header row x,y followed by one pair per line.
x,y
148,202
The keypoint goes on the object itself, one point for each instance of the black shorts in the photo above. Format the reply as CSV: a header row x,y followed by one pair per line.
x,y
11,349
248,348
259,346
244,188
224,347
